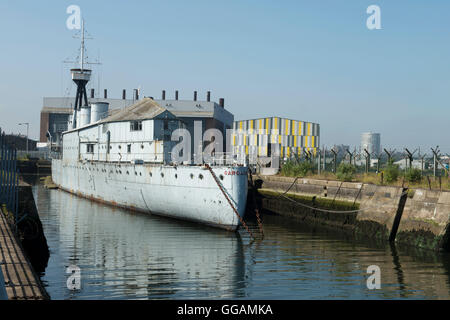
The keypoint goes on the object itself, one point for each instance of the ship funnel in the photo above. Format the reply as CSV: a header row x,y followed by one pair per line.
x,y
85,116
99,111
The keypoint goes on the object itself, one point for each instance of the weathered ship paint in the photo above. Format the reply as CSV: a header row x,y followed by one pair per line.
x,y
182,192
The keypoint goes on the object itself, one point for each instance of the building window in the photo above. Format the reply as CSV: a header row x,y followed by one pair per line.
x,y
166,124
136,126
129,148
90,148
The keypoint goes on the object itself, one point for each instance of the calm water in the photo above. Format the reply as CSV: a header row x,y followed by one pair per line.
x,y
125,255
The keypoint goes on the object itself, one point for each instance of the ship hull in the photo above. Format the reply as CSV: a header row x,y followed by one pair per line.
x,y
182,192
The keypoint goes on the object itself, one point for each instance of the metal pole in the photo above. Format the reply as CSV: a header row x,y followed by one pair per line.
x,y
14,187
318,162
8,177
28,125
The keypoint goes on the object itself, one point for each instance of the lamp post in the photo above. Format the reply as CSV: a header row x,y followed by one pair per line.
x,y
28,125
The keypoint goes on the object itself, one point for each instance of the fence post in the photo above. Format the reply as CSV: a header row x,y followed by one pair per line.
x,y
1,168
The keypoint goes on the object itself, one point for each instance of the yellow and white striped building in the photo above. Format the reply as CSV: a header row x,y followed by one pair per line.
x,y
293,136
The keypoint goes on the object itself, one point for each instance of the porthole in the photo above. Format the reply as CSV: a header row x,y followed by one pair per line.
x,y
192,176
162,174
120,147
221,177
150,174
176,176
128,172
135,173
142,146
201,177
140,173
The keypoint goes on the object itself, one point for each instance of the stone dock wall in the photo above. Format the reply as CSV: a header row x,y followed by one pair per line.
x,y
415,217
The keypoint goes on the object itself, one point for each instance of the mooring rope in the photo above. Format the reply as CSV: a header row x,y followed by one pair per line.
x,y
258,219
229,201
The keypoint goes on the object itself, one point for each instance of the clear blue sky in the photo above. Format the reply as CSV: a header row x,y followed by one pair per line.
x,y
307,60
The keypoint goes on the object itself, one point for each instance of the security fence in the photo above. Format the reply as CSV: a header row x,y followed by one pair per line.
x,y
9,176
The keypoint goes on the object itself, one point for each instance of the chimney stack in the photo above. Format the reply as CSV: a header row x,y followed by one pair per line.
x,y
124,94
106,94
164,95
195,95
208,96
222,102
92,93
176,95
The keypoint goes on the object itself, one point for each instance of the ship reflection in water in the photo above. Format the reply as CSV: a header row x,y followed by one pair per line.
x,y
124,255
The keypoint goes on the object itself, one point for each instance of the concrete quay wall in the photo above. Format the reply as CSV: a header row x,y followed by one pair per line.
x,y
415,217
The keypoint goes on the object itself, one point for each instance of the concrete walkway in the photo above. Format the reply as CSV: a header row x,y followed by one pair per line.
x,y
17,278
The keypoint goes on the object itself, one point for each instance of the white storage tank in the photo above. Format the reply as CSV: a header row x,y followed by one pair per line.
x,y
371,142
99,111
85,116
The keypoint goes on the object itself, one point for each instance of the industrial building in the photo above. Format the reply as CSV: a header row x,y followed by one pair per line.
x,y
371,142
257,136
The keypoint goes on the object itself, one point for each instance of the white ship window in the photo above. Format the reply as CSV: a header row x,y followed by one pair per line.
x,y
136,126
90,148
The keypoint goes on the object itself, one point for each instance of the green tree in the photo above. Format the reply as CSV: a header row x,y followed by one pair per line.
x,y
345,172
391,172
413,175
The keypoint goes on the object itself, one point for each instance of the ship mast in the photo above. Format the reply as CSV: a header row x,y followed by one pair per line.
x,y
82,45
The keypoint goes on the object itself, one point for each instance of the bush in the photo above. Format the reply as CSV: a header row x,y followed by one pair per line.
x,y
294,169
345,172
413,175
391,172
